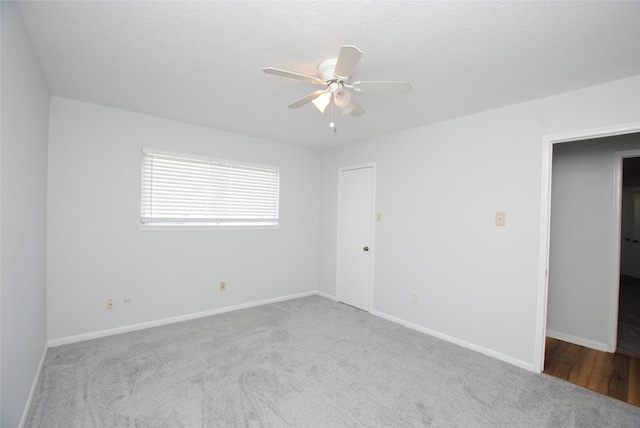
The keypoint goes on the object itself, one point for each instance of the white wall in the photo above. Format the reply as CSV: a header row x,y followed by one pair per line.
x,y
438,189
580,262
25,112
96,252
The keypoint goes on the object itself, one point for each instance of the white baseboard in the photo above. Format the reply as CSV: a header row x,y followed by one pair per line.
x,y
150,324
34,385
187,317
326,296
486,351
599,346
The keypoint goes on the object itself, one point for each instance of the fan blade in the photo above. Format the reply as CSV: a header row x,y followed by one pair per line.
x,y
382,86
358,110
347,109
306,99
292,75
347,60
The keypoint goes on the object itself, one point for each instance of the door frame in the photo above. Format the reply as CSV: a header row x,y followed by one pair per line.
x,y
372,247
545,231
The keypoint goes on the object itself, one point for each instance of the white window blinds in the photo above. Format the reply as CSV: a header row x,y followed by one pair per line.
x,y
184,190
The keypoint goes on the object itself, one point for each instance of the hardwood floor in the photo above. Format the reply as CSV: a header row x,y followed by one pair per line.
x,y
616,375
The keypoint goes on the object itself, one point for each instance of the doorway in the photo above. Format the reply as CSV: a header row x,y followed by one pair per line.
x,y
354,264
628,337
592,361
548,143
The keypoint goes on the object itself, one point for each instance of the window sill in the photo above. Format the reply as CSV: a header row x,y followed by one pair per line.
x,y
179,226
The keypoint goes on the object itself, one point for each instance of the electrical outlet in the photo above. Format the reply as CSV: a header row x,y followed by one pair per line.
x,y
414,299
109,303
223,285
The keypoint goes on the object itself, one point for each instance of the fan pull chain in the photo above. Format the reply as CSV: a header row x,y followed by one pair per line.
x,y
332,124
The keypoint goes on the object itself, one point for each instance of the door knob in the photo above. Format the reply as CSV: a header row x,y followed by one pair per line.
x,y
366,248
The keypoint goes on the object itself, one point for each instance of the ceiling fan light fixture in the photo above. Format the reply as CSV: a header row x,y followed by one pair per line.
x,y
322,101
342,98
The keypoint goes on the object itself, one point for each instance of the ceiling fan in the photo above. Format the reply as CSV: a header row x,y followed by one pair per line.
x,y
334,75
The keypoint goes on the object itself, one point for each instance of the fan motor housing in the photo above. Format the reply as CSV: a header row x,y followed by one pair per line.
x,y
326,68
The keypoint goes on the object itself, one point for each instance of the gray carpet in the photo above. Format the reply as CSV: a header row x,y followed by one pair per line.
x,y
307,362
629,316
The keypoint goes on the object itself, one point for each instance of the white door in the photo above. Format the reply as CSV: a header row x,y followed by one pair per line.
x,y
355,217
626,245
635,267
630,243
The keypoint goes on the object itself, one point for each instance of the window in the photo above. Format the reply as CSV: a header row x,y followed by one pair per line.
x,y
181,190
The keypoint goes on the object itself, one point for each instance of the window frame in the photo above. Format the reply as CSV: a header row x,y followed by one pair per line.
x,y
202,224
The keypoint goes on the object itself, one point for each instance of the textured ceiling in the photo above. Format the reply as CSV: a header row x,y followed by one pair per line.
x,y
201,62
